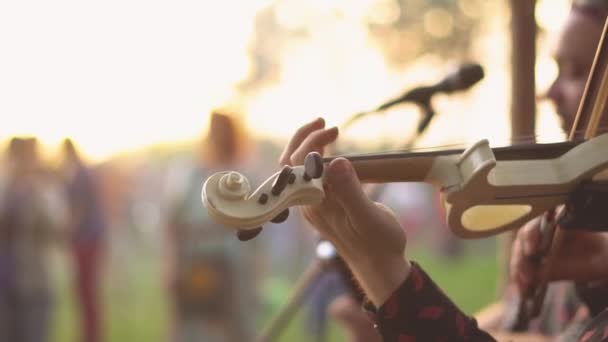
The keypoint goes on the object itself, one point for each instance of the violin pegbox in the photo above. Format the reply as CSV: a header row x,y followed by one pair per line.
x,y
228,198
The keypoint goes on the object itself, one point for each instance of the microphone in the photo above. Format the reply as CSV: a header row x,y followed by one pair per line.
x,y
461,79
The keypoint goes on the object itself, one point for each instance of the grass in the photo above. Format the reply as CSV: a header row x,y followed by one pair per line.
x,y
470,281
136,307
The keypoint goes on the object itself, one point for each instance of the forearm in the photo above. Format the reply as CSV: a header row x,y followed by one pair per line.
x,y
415,308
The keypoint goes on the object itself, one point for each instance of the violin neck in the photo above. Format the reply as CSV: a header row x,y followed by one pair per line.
x,y
389,170
434,167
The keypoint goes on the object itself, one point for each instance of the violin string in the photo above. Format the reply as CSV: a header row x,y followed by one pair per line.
x,y
408,150
535,137
515,141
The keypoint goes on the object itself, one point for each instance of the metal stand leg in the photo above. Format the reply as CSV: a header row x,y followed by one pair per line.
x,y
324,260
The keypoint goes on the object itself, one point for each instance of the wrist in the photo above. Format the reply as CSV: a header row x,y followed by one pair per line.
x,y
380,276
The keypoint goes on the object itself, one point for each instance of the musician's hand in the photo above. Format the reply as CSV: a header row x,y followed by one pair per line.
x,y
366,234
582,257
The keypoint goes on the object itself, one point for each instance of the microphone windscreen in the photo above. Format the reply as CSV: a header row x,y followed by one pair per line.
x,y
465,77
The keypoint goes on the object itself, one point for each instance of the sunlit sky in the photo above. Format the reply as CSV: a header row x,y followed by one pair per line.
x,y
120,75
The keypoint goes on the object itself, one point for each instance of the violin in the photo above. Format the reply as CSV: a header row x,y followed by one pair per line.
x,y
486,191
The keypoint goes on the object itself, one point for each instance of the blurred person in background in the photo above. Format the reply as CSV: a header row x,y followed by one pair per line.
x,y
210,270
32,214
86,228
564,311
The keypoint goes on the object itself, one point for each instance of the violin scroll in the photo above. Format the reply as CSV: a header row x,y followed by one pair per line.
x,y
228,198
233,186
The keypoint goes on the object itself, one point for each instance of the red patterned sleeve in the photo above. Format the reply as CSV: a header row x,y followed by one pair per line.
x,y
420,311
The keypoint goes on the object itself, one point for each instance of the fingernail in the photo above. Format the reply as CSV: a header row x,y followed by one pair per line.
x,y
332,129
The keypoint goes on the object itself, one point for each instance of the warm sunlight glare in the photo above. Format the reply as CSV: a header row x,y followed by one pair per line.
x,y
120,75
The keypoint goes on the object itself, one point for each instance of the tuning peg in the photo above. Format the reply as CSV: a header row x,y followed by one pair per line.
x,y
291,179
263,199
280,183
313,166
281,217
246,235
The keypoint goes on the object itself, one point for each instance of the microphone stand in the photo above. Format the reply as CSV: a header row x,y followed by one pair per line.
x,y
427,115
326,258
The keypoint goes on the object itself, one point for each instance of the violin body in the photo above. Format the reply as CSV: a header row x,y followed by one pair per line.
x,y
483,196
493,197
